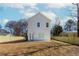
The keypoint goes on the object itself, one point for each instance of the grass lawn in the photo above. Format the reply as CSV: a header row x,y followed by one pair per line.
x,y
38,48
10,38
71,40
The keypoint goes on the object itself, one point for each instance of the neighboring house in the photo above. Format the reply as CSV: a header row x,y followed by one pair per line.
x,y
38,28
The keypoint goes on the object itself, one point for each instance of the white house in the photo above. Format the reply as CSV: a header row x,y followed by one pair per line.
x,y
38,28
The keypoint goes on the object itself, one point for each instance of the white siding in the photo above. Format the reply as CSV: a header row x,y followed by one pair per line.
x,y
38,33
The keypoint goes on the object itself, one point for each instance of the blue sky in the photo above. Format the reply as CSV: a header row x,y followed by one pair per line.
x,y
16,11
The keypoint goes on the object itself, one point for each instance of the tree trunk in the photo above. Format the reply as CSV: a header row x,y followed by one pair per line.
x,y
17,32
78,19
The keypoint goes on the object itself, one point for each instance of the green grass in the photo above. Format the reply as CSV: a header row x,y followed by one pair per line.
x,y
71,40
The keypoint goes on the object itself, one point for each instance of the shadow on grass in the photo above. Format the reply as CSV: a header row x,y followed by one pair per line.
x,y
17,41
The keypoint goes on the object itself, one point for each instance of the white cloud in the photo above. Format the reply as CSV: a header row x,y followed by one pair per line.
x,y
67,18
29,14
14,5
27,9
20,5
32,10
4,21
51,16
23,8
58,5
32,5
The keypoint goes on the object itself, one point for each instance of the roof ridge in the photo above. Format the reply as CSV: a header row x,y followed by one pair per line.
x,y
39,13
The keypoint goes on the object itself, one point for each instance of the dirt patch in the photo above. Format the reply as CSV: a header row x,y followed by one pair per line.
x,y
53,48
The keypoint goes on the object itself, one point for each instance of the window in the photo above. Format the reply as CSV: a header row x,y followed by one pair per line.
x,y
47,24
38,24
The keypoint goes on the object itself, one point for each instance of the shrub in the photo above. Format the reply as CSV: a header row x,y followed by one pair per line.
x,y
56,30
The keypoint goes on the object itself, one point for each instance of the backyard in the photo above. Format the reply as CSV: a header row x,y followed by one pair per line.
x,y
72,40
26,29
38,48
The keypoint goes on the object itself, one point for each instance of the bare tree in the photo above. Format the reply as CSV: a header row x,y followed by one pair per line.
x,y
10,25
21,27
77,19
77,15
17,27
69,24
